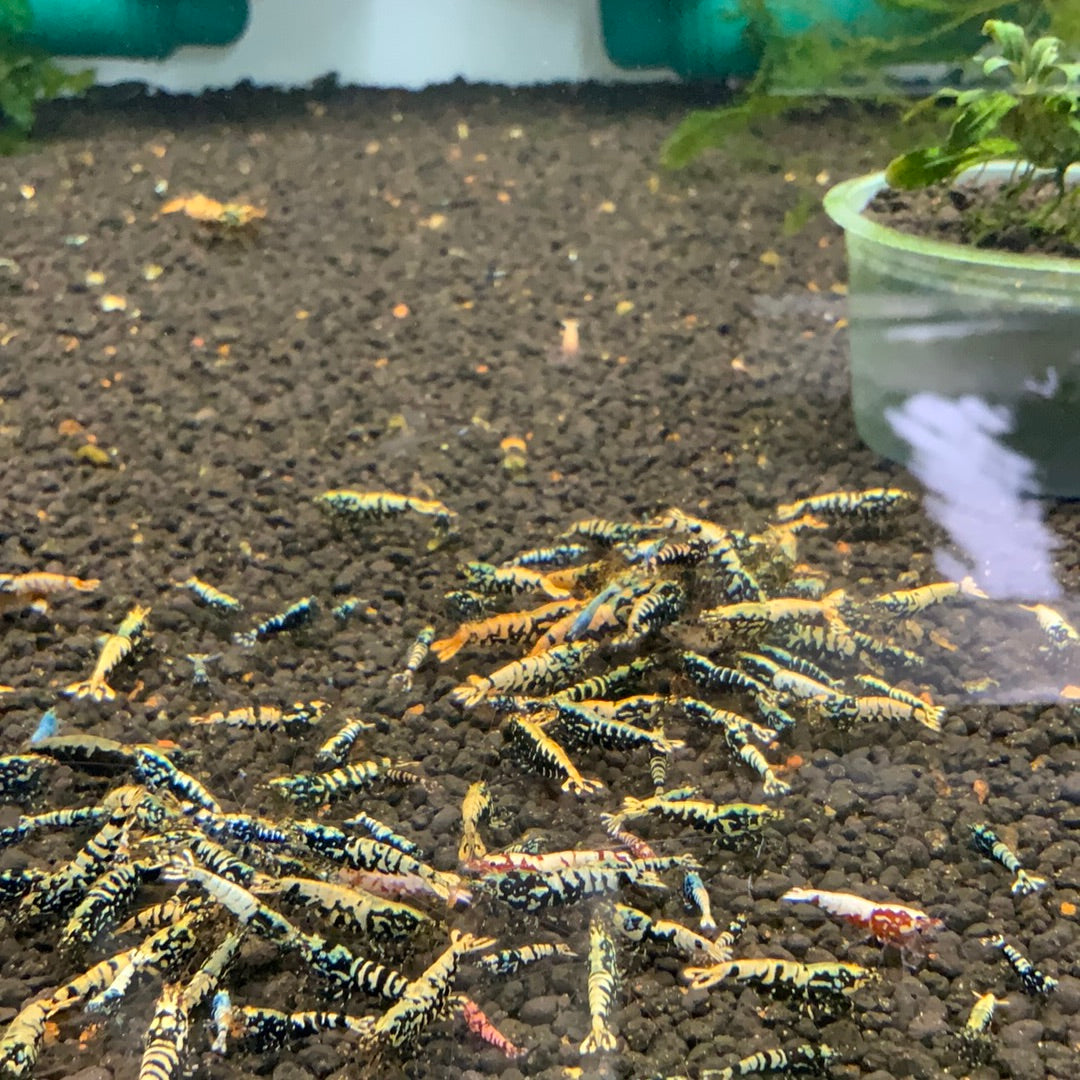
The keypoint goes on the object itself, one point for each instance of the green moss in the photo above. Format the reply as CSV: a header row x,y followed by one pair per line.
x,y
27,76
828,61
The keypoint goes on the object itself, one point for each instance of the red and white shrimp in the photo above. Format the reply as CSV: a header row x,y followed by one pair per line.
x,y
889,923
477,1022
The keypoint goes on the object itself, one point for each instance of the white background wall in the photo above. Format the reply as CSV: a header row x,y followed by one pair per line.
x,y
408,43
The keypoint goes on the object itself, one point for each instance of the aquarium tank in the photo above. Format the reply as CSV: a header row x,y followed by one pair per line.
x,y
526,553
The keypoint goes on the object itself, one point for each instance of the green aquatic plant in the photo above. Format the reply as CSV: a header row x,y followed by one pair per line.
x,y
28,76
833,61
1027,112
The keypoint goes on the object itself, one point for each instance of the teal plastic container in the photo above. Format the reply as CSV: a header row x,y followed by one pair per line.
x,y
149,29
706,38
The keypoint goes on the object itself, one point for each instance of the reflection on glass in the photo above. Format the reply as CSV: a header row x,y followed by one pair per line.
x,y
976,488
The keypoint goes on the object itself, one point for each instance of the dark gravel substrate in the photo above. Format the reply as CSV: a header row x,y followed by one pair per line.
x,y
250,376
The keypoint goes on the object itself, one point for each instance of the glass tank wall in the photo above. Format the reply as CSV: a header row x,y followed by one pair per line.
x,y
450,621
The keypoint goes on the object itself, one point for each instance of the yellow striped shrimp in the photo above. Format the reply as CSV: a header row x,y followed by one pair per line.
x,y
912,601
540,753
514,579
378,505
22,1038
846,710
753,615
166,1037
820,981
349,908
581,622
418,653
1061,633
637,926
861,505
424,999
603,984
475,807
782,540
205,981
209,595
934,714
975,1034
550,861
167,950
245,907
510,628
33,589
115,648
542,673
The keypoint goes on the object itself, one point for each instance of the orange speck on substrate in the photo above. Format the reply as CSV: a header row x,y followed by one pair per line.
x,y
166,744
41,515
941,640
981,789
87,1034
224,350
248,677
105,383
503,196
415,710
794,761
571,342
109,351
70,427
738,363
1067,907
198,342
400,311
302,314
481,369
555,476
513,442
382,361
843,547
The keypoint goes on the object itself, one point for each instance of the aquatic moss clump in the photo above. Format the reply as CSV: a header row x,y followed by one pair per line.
x,y
28,76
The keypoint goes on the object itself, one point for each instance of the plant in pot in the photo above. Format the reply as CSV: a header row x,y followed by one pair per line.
x,y
964,266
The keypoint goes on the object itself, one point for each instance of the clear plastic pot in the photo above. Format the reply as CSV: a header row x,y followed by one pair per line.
x,y
955,324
